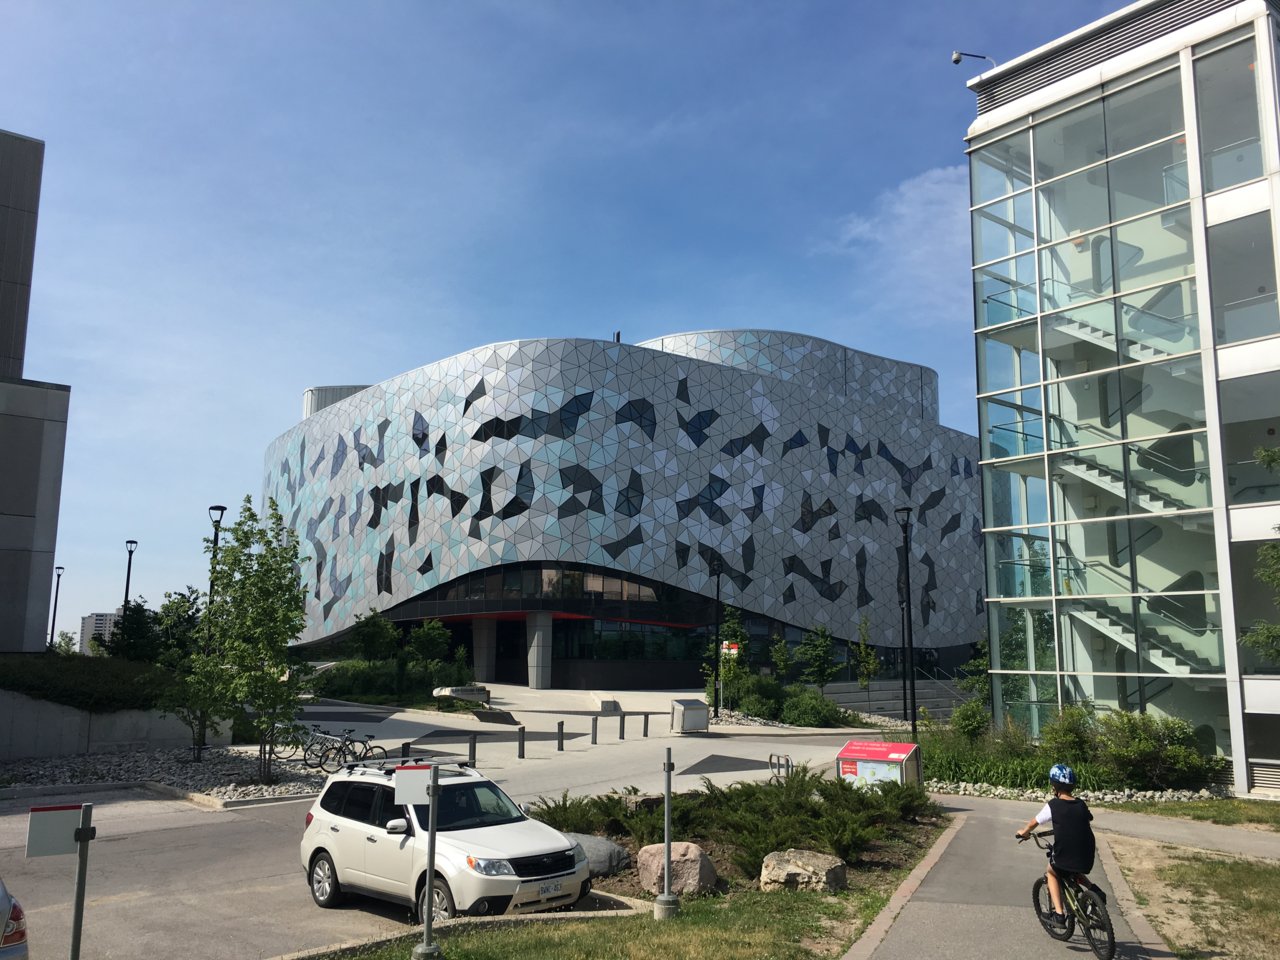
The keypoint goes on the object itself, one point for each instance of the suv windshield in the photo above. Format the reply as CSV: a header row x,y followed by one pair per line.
x,y
465,806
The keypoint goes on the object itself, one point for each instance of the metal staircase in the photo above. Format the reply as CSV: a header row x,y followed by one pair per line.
x,y
1171,656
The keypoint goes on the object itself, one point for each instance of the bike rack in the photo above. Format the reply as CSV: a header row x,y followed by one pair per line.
x,y
780,765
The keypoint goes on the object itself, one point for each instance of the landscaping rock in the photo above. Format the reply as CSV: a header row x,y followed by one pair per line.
x,y
604,857
802,870
691,870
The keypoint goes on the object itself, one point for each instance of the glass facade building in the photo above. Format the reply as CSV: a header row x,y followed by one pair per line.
x,y
1123,183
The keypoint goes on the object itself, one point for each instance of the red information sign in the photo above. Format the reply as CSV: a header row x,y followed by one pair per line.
x,y
866,761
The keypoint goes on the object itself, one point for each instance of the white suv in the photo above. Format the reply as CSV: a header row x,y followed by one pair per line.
x,y
490,857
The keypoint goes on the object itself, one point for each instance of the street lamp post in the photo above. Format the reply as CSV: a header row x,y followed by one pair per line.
x,y
129,545
904,598
717,567
215,515
57,586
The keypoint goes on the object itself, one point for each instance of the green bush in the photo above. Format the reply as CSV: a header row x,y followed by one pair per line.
x,y
568,814
1072,736
95,684
754,705
811,709
971,719
1148,752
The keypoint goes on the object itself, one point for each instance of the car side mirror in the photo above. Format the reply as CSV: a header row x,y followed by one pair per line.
x,y
524,808
398,825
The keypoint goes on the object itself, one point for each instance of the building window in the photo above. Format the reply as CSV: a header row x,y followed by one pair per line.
x,y
1227,106
1000,168
1242,279
1250,410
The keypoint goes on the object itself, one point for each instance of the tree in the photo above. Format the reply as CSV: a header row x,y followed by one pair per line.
x,y
258,607
733,669
780,657
199,695
817,657
97,644
866,662
429,642
134,635
376,636
65,645
1264,638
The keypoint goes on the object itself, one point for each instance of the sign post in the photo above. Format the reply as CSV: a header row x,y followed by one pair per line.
x,y
413,784
54,831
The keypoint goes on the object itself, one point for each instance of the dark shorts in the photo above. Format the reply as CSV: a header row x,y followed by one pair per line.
x,y
1066,866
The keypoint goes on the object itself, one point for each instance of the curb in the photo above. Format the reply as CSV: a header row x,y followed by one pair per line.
x,y
152,786
458,924
875,933
1150,942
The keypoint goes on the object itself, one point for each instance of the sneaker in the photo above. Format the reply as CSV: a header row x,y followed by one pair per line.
x,y
1057,920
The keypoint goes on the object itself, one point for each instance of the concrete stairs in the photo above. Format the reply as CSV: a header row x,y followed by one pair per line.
x,y
883,698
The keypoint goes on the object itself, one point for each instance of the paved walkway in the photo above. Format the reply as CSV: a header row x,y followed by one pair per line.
x,y
974,903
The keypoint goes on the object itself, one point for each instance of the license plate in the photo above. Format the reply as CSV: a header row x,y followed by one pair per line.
x,y
549,889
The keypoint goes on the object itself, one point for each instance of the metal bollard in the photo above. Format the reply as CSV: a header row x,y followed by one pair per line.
x,y
622,726
520,743
560,735
405,748
471,750
595,723
646,725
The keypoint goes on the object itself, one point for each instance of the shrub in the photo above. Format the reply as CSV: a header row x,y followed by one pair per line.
x,y
754,705
971,719
811,709
568,814
1071,737
94,684
1148,752
1013,739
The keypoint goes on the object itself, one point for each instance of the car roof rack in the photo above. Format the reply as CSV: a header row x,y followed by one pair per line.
x,y
387,765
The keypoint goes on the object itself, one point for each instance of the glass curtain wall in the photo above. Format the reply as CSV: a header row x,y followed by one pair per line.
x,y
1102,577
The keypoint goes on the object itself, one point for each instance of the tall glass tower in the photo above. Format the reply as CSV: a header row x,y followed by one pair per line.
x,y
1123,182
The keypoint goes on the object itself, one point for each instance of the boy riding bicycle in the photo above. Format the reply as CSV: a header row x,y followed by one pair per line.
x,y
1074,846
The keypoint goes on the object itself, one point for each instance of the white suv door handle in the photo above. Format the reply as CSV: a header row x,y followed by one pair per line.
x,y
372,839
334,828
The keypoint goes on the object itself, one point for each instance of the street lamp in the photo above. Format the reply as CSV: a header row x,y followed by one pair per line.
x,y
717,568
129,545
215,515
57,586
904,599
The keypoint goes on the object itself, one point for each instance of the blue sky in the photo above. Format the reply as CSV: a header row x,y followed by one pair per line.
x,y
243,199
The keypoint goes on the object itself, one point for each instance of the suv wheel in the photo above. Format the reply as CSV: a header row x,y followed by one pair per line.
x,y
444,908
325,889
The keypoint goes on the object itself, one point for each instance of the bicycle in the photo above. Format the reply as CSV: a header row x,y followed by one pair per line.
x,y
349,749
1082,905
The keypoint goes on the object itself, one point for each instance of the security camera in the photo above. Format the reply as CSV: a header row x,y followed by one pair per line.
x,y
955,56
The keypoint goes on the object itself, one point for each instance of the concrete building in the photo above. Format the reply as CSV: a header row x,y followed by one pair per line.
x,y
96,623
565,505
33,416
1124,179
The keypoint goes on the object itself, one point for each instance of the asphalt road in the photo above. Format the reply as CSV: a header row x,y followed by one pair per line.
x,y
168,879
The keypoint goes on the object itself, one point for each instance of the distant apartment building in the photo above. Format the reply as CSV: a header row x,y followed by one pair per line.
x,y
100,624
1124,179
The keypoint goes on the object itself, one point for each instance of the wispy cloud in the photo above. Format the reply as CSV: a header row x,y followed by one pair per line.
x,y
910,251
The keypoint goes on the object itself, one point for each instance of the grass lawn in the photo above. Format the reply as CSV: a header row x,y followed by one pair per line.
x,y
1227,811
1232,905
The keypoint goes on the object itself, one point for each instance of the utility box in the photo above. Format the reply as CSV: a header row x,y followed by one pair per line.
x,y
689,716
868,761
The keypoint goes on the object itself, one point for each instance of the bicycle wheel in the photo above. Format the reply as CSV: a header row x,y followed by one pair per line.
x,y
332,759
1097,924
313,752
1043,904
375,753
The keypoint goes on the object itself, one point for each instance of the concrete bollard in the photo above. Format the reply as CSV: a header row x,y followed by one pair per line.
x,y
520,743
471,750
646,725
622,726
560,736
405,748
595,724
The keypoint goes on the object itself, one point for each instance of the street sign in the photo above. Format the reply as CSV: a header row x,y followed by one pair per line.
x,y
413,784
51,831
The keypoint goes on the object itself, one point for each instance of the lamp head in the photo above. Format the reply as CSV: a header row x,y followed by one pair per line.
x,y
904,516
215,513
131,545
956,56
59,570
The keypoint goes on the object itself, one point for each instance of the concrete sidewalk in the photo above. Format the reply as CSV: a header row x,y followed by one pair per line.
x,y
973,902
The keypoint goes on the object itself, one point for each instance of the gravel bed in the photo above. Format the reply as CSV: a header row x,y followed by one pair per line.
x,y
734,719
1093,796
226,773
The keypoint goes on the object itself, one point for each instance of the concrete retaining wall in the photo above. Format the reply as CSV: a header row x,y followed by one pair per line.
x,y
37,728
884,698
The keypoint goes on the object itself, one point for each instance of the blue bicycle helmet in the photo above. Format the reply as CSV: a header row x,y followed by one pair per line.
x,y
1062,775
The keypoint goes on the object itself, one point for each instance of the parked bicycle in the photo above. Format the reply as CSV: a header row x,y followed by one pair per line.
x,y
1083,906
349,749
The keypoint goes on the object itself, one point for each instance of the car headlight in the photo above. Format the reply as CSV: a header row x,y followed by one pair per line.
x,y
579,855
490,868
